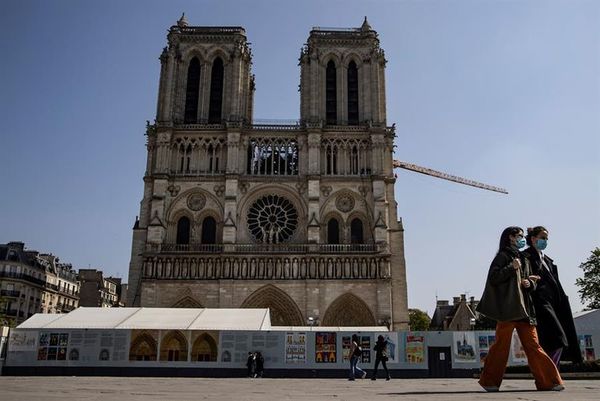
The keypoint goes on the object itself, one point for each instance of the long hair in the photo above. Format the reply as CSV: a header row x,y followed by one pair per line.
x,y
534,232
355,338
505,237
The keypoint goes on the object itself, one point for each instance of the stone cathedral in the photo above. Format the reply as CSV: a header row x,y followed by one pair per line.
x,y
299,217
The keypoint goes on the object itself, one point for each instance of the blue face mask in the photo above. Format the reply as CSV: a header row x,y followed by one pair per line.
x,y
520,242
541,244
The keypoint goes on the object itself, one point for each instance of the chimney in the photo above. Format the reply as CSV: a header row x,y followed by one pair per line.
x,y
455,300
17,245
442,302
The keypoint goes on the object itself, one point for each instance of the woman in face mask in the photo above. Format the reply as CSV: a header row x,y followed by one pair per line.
x,y
555,319
507,300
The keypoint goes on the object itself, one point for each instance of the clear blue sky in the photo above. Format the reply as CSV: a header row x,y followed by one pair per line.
x,y
504,92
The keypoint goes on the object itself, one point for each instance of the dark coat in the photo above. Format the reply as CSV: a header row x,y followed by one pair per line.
x,y
380,348
504,299
556,328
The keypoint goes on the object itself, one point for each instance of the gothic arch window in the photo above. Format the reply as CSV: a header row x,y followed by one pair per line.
x,y
283,309
354,160
332,159
356,231
348,310
330,93
333,231
352,94
173,347
216,92
192,92
143,348
183,231
272,156
204,348
209,230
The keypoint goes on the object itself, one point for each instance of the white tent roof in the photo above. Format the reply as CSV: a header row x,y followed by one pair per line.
x,y
332,328
153,318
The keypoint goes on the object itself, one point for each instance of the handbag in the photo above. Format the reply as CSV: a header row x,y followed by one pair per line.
x,y
384,356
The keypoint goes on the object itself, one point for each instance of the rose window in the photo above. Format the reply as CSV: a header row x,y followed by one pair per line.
x,y
272,219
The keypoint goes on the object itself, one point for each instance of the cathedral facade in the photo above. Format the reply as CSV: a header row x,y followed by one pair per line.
x,y
299,217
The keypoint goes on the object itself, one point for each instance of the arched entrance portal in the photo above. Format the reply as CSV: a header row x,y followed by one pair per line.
x,y
348,310
284,311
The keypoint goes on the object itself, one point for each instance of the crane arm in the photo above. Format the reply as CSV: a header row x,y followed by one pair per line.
x,y
445,176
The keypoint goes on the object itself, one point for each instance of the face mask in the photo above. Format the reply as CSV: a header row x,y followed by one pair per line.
x,y
520,243
541,244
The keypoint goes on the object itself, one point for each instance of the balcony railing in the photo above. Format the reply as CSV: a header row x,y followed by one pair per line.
x,y
266,248
10,293
21,276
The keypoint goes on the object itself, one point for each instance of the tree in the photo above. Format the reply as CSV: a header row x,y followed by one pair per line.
x,y
418,320
590,282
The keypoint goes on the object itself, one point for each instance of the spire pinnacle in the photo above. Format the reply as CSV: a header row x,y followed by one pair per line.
x,y
365,25
182,21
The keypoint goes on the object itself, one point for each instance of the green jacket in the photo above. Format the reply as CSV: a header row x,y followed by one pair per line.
x,y
504,299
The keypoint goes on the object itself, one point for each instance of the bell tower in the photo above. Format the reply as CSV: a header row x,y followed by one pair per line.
x,y
342,77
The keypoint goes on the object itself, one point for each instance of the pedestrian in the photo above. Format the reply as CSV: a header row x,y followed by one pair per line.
x,y
260,365
381,355
251,364
556,328
355,353
507,299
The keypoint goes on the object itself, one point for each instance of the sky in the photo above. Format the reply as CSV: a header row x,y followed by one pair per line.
x,y
503,92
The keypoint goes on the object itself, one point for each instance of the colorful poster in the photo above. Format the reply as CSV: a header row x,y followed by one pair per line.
x,y
325,347
464,347
517,352
53,346
22,340
295,347
346,345
415,348
365,343
587,347
485,343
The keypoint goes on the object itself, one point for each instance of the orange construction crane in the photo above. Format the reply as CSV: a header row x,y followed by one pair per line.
x,y
445,176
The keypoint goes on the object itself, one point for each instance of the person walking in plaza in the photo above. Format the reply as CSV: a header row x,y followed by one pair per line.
x,y
260,365
555,325
355,353
507,299
380,356
251,364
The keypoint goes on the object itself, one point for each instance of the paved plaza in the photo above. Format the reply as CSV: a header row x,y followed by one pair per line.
x,y
133,388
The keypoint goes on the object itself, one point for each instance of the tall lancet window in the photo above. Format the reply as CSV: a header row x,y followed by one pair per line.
x,y
352,94
333,232
183,230
192,92
330,93
216,92
356,232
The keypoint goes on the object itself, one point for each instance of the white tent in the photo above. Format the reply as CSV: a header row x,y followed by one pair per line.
x,y
153,318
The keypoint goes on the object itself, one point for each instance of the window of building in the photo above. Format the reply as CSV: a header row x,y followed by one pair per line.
x,y
330,93
183,231
352,93
333,231
216,92
192,92
209,231
356,231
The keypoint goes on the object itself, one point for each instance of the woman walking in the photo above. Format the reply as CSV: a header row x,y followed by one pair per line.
x,y
380,356
554,317
507,300
355,353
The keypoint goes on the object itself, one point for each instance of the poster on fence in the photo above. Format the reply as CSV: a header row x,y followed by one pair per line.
x,y
517,353
464,347
295,347
415,348
587,347
325,347
485,343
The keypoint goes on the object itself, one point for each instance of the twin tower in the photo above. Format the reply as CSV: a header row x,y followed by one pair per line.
x,y
298,217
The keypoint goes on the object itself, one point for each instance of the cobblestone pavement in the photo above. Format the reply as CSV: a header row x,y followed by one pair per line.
x,y
134,388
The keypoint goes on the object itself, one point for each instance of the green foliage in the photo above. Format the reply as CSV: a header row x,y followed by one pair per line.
x,y
418,320
5,320
590,282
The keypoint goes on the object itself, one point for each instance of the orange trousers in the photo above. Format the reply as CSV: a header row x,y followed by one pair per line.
x,y
543,369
